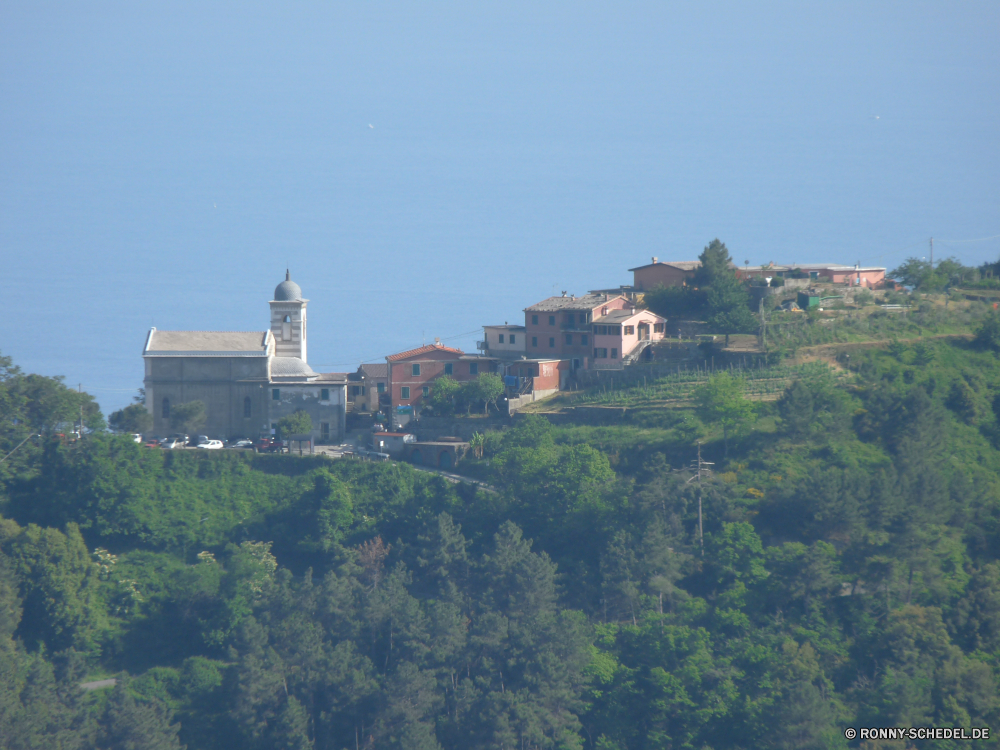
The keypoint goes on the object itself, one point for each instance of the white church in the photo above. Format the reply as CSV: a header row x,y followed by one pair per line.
x,y
248,380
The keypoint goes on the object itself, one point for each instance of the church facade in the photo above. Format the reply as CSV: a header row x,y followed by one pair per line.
x,y
247,380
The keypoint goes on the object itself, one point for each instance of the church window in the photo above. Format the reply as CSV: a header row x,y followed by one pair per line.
x,y
276,394
247,408
324,394
415,369
286,328
165,409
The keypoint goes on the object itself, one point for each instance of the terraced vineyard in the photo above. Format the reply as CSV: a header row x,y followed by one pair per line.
x,y
763,383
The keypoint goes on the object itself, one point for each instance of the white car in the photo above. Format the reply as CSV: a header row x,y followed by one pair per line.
x,y
137,437
212,445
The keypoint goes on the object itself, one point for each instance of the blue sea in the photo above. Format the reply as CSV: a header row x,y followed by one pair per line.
x,y
427,168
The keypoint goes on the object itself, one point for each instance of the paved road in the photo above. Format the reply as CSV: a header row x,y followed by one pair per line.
x,y
98,684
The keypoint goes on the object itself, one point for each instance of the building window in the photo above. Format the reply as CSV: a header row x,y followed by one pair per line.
x,y
404,392
569,339
512,339
324,394
614,354
552,320
501,338
414,369
355,390
381,388
324,430
657,327
363,390
534,340
473,368
601,353
570,318
286,329
552,342
426,390
534,320
247,408
583,339
583,319
276,394
449,368
604,311
165,408
629,330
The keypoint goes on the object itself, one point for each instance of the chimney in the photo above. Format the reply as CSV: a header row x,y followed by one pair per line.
x,y
655,259
563,292
437,341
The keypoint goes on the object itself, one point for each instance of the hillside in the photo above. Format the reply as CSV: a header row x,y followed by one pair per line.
x,y
848,572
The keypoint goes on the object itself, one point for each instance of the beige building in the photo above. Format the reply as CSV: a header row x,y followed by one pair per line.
x,y
247,380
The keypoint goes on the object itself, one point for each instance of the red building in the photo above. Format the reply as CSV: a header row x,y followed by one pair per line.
x,y
658,273
411,373
560,327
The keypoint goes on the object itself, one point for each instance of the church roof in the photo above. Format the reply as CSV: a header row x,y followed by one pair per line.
x,y
290,367
207,343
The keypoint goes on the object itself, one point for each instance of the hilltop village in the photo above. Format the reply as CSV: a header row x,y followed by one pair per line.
x,y
249,381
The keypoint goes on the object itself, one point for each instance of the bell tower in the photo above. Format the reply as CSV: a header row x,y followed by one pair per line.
x,y
288,319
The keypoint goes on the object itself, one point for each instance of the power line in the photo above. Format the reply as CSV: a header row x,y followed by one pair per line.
x,y
978,239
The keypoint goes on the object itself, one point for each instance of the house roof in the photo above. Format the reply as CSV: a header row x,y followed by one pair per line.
x,y
420,351
617,317
683,265
586,302
374,370
332,377
507,327
207,343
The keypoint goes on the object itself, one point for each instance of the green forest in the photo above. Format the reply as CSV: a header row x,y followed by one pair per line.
x,y
845,573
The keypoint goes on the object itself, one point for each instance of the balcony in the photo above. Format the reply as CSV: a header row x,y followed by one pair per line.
x,y
483,346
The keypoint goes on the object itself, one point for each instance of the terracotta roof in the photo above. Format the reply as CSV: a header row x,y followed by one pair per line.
x,y
586,302
423,350
374,369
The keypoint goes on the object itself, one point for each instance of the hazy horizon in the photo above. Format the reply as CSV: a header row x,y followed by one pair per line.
x,y
426,170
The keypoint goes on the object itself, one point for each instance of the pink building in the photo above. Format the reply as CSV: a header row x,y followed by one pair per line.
x,y
623,333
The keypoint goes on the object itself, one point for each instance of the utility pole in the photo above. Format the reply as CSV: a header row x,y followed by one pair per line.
x,y
79,389
932,252
699,470
763,326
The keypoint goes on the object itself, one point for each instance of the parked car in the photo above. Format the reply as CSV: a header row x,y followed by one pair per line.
x,y
244,443
211,445
198,440
173,444
154,443
179,436
268,444
137,437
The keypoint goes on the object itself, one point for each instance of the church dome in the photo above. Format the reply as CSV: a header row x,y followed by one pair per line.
x,y
287,290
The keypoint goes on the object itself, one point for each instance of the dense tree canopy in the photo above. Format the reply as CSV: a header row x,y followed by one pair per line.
x,y
851,577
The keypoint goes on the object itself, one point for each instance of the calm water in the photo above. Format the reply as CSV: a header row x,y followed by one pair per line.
x,y
428,168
